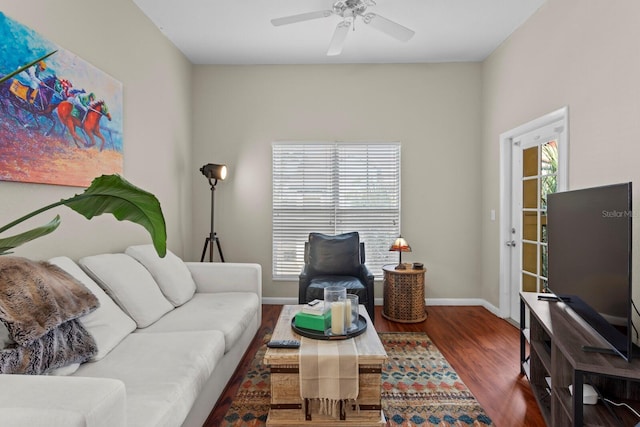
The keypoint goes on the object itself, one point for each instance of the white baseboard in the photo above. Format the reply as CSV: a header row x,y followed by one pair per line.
x,y
279,301
429,301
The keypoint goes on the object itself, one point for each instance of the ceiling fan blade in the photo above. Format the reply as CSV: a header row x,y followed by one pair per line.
x,y
388,27
339,36
301,17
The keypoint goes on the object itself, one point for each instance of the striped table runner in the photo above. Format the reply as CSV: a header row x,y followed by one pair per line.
x,y
328,374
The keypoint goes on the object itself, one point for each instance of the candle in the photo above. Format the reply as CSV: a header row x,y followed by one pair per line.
x,y
347,313
337,317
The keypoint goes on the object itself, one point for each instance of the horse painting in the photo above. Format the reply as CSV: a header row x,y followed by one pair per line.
x,y
42,103
90,125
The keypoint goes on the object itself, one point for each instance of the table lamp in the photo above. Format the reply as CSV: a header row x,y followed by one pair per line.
x,y
400,245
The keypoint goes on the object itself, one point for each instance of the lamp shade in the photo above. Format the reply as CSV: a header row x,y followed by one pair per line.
x,y
400,245
213,171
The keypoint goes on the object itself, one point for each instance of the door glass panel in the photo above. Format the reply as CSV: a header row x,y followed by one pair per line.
x,y
530,225
543,260
539,179
544,285
549,158
530,193
530,257
548,185
529,283
530,162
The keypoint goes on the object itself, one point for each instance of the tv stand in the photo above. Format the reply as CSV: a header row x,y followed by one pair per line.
x,y
554,354
592,349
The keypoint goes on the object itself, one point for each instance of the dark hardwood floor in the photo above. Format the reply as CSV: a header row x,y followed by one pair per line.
x,y
482,348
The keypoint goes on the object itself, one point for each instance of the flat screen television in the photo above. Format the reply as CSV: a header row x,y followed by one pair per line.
x,y
589,259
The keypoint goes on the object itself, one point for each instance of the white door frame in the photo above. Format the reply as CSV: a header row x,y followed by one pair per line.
x,y
506,139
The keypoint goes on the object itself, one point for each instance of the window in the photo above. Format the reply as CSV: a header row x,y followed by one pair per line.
x,y
334,188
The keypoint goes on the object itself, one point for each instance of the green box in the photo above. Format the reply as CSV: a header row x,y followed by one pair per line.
x,y
313,321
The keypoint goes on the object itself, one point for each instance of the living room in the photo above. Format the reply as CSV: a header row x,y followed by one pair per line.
x,y
448,117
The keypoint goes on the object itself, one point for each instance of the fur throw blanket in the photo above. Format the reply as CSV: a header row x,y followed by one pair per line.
x,y
39,305
69,343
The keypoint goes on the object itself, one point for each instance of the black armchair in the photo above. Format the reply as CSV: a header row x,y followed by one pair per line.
x,y
335,261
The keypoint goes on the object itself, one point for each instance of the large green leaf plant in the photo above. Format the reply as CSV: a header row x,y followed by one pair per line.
x,y
106,194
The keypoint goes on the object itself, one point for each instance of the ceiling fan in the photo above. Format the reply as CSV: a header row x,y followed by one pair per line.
x,y
349,10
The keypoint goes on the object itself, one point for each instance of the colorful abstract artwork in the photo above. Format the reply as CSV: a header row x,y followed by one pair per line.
x,y
60,118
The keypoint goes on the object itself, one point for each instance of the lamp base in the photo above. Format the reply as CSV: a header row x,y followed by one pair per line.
x,y
208,243
401,266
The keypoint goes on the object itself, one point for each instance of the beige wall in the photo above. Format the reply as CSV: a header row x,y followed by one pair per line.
x,y
433,110
447,116
582,54
117,38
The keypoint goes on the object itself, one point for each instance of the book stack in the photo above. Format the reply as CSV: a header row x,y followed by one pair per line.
x,y
314,316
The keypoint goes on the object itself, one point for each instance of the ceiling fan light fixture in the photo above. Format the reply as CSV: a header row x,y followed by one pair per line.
x,y
349,10
350,7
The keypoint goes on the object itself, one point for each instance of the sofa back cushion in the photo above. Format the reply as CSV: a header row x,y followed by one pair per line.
x,y
170,273
108,324
335,255
129,284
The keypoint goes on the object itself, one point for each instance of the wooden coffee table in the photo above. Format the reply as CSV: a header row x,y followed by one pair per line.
x,y
286,403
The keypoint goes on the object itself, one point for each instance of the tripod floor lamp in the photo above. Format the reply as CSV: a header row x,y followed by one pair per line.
x,y
213,173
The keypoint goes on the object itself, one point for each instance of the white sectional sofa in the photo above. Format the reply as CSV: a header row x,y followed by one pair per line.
x,y
169,336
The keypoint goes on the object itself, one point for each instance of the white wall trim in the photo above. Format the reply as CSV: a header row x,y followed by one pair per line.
x,y
429,301
279,301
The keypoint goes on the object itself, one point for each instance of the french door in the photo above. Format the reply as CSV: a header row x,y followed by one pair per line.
x,y
537,169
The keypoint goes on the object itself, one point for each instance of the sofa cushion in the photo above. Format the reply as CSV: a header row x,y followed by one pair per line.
x,y
228,312
170,273
108,324
334,254
35,400
129,284
163,373
37,297
65,370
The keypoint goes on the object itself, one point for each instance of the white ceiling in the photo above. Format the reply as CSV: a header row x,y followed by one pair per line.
x,y
240,31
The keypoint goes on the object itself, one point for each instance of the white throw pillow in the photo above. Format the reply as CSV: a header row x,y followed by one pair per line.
x,y
129,284
108,324
171,273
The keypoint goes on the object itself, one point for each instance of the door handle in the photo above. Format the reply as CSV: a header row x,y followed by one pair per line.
x,y
511,243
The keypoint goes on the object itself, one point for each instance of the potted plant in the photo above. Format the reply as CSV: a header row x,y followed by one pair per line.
x,y
106,194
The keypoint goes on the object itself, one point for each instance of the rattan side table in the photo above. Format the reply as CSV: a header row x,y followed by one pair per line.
x,y
403,294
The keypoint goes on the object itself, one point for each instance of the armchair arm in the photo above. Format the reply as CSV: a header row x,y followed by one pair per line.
x,y
365,274
303,283
368,279
39,400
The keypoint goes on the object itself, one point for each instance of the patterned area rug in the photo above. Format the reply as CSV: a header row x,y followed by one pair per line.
x,y
419,388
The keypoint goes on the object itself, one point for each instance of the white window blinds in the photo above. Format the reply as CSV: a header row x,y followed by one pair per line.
x,y
334,188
